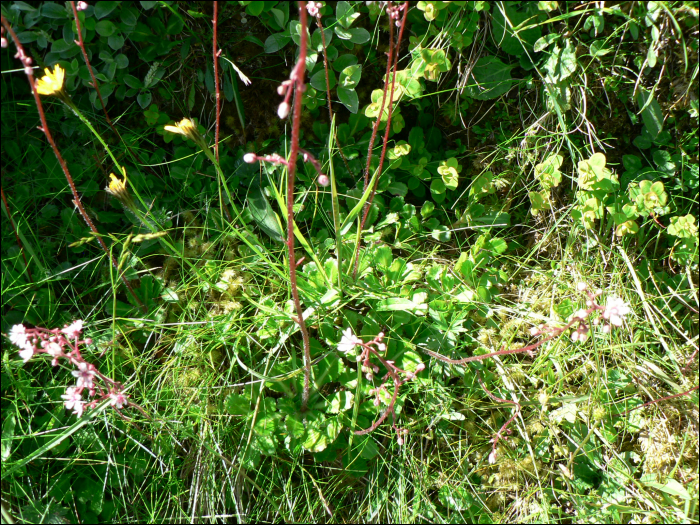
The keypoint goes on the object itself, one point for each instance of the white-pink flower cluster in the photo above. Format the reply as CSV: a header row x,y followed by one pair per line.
x,y
615,311
313,8
349,341
65,343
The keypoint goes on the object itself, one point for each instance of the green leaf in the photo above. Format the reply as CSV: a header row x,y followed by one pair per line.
x,y
672,487
116,41
343,61
175,25
133,82
54,10
262,213
237,405
349,99
105,28
275,42
490,78
437,186
359,35
104,7
144,99
651,112
340,402
255,8
61,46
401,304
318,80
507,19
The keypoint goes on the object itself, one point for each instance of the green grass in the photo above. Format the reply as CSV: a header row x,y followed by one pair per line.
x,y
214,365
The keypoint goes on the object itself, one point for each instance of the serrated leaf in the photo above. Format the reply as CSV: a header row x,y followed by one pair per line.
x,y
340,402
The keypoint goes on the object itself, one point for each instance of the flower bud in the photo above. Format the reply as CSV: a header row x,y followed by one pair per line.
x,y
323,180
249,158
283,110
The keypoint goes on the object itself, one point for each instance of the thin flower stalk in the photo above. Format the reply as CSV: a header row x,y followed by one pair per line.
x,y
81,6
27,61
298,78
64,343
392,60
14,229
328,90
375,348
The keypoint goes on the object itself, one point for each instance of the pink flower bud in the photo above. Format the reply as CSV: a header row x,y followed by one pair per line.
x,y
283,110
249,158
323,180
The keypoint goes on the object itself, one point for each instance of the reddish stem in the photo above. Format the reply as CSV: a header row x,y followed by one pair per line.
x,y
328,92
653,402
215,53
392,60
14,229
298,73
62,162
81,44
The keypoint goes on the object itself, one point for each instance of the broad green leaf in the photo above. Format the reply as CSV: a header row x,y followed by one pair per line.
x,y
651,112
105,28
343,61
490,78
262,213
275,42
349,99
318,80
356,209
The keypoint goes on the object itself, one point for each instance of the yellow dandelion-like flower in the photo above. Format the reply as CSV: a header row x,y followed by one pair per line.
x,y
185,127
52,82
116,187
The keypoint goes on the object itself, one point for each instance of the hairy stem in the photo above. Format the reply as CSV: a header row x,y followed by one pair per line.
x,y
298,73
76,197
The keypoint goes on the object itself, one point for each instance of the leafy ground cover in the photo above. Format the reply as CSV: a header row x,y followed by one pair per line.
x,y
464,290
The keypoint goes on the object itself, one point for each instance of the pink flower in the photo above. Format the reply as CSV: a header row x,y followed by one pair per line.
x,y
82,6
73,331
85,375
26,353
348,341
323,180
581,333
117,399
18,336
492,457
73,400
283,110
615,311
313,7
250,158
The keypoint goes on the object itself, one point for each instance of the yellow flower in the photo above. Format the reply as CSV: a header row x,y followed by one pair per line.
x,y
117,188
51,83
185,127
